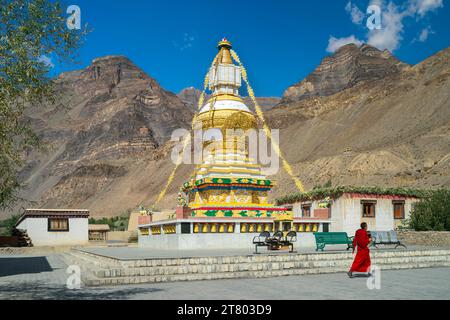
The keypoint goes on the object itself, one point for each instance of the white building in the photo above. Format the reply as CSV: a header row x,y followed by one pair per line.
x,y
55,227
381,212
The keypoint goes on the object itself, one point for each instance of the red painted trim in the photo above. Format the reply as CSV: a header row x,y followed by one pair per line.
x,y
376,196
232,185
242,208
230,219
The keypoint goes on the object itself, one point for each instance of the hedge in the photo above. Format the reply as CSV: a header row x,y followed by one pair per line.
x,y
336,192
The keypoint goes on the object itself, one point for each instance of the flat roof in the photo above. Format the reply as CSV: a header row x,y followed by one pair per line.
x,y
98,227
57,210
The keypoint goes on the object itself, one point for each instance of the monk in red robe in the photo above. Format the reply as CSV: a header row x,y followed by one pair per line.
x,y
361,243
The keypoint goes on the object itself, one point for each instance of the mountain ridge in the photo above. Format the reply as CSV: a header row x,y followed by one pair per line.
x,y
350,65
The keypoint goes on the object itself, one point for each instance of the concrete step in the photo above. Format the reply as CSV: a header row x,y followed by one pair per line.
x,y
256,266
246,274
99,270
255,258
87,268
100,262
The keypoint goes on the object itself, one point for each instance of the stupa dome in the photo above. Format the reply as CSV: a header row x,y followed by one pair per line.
x,y
225,104
225,109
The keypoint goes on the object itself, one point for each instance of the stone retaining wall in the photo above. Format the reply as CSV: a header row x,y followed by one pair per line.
x,y
425,238
99,270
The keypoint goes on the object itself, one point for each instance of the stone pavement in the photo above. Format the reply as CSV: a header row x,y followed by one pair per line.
x,y
44,277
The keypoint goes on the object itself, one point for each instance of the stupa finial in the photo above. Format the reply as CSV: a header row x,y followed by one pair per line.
x,y
224,47
224,43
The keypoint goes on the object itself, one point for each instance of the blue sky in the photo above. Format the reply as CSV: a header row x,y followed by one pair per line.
x,y
280,42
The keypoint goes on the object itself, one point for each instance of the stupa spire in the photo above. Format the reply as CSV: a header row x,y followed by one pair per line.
x,y
225,76
224,47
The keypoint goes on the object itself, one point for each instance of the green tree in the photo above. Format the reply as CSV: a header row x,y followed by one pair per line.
x,y
31,31
9,224
433,213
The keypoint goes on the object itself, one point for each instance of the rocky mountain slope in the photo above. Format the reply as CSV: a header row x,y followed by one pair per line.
x,y
362,117
349,66
391,128
109,126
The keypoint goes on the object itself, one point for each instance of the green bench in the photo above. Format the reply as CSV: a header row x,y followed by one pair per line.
x,y
325,238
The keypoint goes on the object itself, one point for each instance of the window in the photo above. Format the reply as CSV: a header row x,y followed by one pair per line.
x,y
368,208
306,211
58,224
399,209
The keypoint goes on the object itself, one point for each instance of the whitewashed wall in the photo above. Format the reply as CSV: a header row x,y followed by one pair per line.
x,y
297,208
346,214
37,229
212,241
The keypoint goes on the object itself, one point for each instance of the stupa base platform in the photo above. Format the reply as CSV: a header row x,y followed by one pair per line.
x,y
219,233
212,241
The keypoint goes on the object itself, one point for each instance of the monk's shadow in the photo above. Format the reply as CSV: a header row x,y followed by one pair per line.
x,y
23,265
361,275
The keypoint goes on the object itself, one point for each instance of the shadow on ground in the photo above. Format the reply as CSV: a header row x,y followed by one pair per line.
x,y
26,265
41,290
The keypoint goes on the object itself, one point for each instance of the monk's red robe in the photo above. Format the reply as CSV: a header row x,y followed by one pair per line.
x,y
362,259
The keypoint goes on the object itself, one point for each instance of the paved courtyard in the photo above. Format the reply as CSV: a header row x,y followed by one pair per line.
x,y
44,277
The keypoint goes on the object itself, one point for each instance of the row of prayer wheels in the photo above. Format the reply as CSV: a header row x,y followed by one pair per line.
x,y
213,227
306,227
170,229
260,227
156,230
256,227
229,228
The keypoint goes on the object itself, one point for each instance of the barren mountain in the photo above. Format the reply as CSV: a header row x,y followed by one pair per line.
x,y
190,97
390,129
105,138
349,66
362,117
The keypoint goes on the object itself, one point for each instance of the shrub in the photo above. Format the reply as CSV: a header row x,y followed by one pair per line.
x,y
9,225
118,223
433,213
320,193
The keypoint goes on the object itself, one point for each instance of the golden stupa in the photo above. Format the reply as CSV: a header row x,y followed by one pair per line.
x,y
228,182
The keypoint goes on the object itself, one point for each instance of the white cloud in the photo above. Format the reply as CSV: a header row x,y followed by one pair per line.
x,y
186,43
46,60
390,35
336,43
356,14
392,20
422,7
425,34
